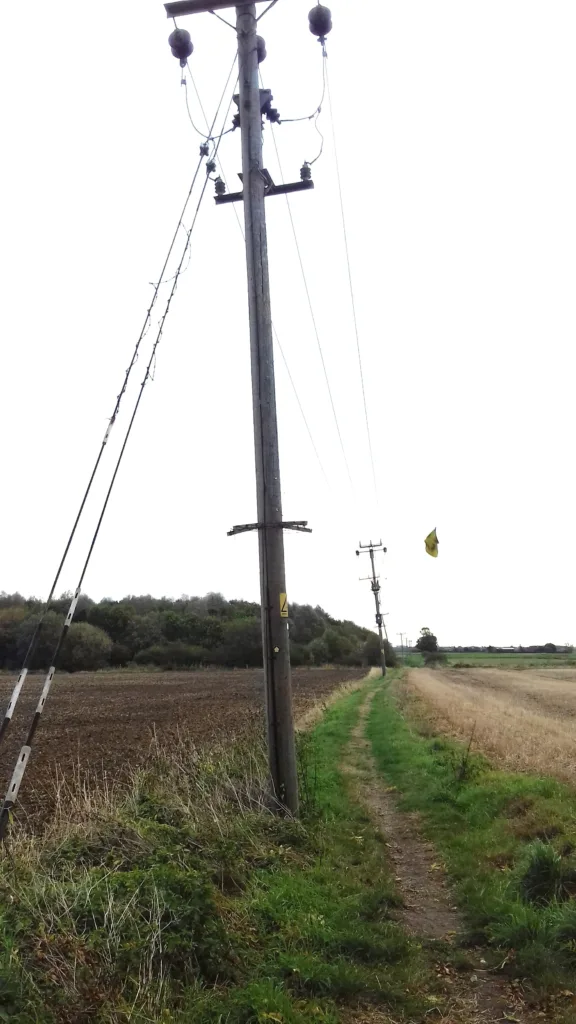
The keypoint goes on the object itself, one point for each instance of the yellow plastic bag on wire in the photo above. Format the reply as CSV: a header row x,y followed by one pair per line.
x,y
431,543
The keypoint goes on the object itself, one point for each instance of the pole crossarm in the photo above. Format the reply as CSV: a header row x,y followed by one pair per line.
x,y
271,190
300,525
180,7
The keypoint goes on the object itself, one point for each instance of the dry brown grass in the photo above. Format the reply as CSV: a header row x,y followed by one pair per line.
x,y
524,721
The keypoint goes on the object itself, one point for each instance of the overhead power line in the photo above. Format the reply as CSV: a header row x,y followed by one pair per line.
x,y
313,318
352,297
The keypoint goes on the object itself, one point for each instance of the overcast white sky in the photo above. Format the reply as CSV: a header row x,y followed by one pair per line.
x,y
455,126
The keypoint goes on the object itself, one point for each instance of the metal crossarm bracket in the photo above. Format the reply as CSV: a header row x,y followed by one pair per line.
x,y
300,525
174,10
271,189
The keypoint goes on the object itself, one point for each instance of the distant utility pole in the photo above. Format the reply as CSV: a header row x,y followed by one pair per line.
x,y
257,183
401,635
370,549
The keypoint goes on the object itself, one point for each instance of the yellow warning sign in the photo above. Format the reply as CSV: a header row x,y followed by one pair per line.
x,y
284,606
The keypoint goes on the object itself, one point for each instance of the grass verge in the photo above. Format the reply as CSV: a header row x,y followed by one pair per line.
x,y
184,898
508,841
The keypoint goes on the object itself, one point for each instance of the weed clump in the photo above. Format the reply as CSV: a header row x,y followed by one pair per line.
x,y
545,875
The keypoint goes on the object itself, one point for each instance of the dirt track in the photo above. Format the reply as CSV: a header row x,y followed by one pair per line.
x,y
106,721
523,719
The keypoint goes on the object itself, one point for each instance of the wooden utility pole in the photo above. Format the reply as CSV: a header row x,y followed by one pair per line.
x,y
371,548
275,639
401,635
257,185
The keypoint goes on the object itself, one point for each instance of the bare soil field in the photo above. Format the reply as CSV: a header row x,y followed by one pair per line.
x,y
525,720
104,722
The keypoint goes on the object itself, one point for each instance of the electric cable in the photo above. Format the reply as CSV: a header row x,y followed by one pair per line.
x,y
352,298
313,318
318,109
209,137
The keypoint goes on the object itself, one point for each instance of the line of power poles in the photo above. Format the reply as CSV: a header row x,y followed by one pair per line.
x,y
257,184
375,585
404,646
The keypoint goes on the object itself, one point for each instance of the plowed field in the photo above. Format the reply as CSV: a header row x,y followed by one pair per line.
x,y
106,721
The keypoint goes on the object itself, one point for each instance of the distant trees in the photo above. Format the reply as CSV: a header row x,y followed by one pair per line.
x,y
170,633
426,641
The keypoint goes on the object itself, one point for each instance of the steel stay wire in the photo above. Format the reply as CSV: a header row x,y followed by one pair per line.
x,y
23,757
38,628
145,327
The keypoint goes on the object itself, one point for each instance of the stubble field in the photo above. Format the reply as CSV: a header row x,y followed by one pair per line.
x,y
523,720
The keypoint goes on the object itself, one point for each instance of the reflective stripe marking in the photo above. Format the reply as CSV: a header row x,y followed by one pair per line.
x,y
16,779
45,689
72,608
16,693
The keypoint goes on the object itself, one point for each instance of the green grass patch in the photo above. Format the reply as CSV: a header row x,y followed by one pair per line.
x,y
188,900
485,659
508,842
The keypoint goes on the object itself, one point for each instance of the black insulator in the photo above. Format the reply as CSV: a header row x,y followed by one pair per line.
x,y
306,172
204,149
210,167
271,113
236,121
181,45
220,187
261,49
320,19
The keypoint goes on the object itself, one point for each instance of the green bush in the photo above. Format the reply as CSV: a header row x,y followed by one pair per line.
x,y
175,655
432,658
299,655
372,652
120,655
85,649
241,644
47,640
11,620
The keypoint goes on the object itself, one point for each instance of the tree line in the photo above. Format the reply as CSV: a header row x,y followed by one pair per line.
x,y
183,633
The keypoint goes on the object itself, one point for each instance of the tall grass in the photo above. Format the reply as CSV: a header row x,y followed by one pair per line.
x,y
182,896
508,841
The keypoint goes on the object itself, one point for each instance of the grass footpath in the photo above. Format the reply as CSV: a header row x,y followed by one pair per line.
x,y
183,899
508,841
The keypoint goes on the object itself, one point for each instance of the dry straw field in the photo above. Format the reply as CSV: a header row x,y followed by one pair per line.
x,y
523,720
